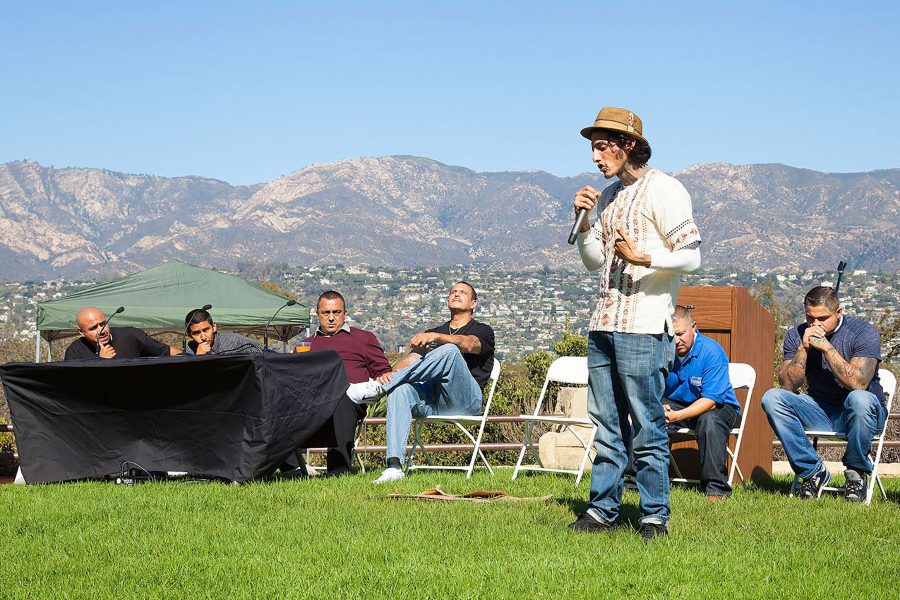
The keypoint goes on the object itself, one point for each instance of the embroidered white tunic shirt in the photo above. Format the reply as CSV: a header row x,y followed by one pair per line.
x,y
655,211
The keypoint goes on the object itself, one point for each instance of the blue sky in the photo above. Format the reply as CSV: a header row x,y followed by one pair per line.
x,y
248,91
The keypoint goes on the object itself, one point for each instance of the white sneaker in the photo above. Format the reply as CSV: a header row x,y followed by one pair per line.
x,y
390,474
366,392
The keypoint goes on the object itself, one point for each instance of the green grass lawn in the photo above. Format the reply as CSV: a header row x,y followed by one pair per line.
x,y
340,538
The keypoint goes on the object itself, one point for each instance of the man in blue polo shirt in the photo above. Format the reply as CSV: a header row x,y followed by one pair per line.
x,y
699,395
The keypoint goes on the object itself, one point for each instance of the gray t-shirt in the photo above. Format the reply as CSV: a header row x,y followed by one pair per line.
x,y
852,339
227,342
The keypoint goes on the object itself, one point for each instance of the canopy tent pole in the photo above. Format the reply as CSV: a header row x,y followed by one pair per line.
x,y
37,345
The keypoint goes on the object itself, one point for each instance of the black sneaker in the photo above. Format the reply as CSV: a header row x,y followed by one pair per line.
x,y
335,473
293,474
855,490
587,523
811,487
652,530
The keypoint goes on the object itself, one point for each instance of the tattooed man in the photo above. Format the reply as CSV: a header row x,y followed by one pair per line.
x,y
836,357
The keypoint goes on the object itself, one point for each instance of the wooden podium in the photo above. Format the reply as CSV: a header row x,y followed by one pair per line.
x,y
746,331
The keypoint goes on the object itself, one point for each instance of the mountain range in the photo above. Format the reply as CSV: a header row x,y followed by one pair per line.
x,y
412,211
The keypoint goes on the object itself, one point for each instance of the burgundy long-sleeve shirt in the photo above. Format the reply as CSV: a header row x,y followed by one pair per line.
x,y
360,352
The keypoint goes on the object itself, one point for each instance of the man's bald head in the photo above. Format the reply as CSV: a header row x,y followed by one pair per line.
x,y
683,323
87,314
90,321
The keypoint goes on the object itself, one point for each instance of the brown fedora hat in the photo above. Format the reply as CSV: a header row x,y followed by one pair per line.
x,y
616,119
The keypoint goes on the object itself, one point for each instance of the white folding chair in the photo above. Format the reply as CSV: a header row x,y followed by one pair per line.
x,y
889,384
460,421
742,376
572,370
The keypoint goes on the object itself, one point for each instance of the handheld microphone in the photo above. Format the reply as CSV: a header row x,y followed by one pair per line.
x,y
186,321
105,326
579,223
266,331
841,266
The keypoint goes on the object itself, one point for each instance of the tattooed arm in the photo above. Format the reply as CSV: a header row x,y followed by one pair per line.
x,y
793,372
855,374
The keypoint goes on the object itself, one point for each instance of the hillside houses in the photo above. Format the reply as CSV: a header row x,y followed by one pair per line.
x,y
528,309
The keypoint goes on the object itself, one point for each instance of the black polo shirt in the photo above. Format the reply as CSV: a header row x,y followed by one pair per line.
x,y
129,342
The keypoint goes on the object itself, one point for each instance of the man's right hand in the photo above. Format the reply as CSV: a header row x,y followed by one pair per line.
x,y
814,330
107,351
586,198
423,341
203,348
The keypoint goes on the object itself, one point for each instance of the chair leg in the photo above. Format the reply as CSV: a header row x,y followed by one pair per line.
x,y
360,435
675,466
525,444
417,425
476,452
486,463
734,467
873,479
740,473
587,452
537,455
426,454
474,456
875,463
358,457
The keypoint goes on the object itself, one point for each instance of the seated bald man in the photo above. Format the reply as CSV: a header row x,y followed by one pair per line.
x,y
699,395
99,340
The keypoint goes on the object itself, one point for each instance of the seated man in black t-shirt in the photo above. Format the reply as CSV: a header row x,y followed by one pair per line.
x,y
112,342
444,373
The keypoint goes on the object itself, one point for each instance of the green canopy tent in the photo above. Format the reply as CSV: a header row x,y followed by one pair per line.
x,y
157,300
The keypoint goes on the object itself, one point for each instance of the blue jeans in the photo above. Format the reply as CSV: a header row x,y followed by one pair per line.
x,y
626,378
438,384
860,417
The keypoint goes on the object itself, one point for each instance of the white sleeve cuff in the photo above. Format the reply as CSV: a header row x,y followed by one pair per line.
x,y
591,250
686,260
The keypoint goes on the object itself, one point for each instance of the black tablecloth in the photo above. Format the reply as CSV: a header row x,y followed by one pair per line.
x,y
234,417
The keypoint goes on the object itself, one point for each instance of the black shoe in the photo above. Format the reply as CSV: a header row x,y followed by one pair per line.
x,y
336,473
855,490
811,487
652,530
587,523
298,473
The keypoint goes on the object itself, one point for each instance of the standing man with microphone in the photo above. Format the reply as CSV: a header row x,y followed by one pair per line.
x,y
644,236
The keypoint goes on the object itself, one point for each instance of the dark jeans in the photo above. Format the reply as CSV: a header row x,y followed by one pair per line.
x,y
712,429
338,434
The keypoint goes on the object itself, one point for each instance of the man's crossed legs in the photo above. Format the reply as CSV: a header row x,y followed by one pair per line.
x,y
439,383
